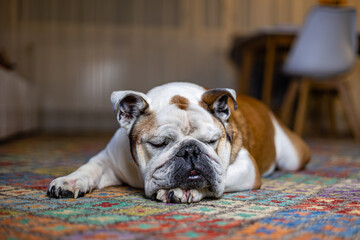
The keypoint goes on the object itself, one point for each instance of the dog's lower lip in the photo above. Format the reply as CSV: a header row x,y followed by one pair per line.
x,y
195,176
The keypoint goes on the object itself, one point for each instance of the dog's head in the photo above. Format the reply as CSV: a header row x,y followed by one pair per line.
x,y
178,135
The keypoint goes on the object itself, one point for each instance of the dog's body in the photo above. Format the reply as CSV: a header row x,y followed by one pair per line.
x,y
182,143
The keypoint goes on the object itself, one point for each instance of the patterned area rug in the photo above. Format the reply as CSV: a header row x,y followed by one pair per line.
x,y
321,202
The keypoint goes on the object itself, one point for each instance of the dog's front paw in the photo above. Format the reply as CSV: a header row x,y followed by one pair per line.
x,y
178,195
68,187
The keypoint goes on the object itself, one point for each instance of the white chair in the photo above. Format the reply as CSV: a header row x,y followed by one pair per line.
x,y
322,55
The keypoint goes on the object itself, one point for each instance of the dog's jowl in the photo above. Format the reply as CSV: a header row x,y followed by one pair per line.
x,y
182,142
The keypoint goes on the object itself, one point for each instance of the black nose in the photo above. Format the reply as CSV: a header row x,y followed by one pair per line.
x,y
189,150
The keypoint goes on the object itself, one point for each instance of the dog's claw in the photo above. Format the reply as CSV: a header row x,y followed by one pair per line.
x,y
153,197
76,194
171,197
52,191
58,192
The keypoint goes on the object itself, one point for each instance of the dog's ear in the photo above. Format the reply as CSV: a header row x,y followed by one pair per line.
x,y
216,101
129,105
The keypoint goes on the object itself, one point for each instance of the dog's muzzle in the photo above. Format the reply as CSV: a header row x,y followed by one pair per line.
x,y
190,166
192,169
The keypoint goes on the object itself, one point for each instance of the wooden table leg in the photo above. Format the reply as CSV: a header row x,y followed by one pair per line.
x,y
269,70
244,76
288,102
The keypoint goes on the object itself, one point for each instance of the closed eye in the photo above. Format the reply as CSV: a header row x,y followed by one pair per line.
x,y
212,142
158,144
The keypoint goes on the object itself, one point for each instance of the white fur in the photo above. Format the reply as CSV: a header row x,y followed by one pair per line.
x,y
241,173
286,155
121,162
158,98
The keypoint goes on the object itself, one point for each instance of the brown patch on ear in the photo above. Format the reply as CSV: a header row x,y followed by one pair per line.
x,y
210,97
145,123
180,101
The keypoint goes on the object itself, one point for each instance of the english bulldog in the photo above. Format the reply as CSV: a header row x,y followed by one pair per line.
x,y
182,142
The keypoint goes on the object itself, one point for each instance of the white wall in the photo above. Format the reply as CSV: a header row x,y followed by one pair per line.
x,y
79,51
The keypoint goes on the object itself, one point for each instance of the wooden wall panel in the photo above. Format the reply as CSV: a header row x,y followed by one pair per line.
x,y
77,56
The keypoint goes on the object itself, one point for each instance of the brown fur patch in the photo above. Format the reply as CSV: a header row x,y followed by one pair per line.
x,y
252,129
180,101
145,123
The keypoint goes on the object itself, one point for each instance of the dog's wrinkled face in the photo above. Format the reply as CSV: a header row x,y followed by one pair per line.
x,y
183,143
184,148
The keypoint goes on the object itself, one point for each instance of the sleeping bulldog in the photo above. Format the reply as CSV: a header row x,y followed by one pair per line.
x,y
182,142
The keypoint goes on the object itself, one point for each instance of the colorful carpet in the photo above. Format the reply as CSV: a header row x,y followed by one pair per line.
x,y
321,202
